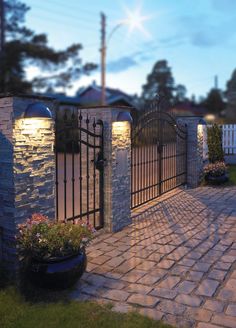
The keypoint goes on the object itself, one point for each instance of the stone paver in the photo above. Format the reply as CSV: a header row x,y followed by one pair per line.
x,y
164,293
207,287
189,300
175,262
231,310
143,300
224,320
214,306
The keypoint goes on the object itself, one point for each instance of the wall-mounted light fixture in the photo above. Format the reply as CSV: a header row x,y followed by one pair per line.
x,y
37,110
202,121
124,117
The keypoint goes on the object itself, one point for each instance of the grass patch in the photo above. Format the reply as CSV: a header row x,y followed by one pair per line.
x,y
15,312
232,175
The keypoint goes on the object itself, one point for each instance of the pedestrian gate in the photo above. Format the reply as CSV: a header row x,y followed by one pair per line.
x,y
79,167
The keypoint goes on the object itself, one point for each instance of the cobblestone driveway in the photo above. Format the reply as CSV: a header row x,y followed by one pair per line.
x,y
176,262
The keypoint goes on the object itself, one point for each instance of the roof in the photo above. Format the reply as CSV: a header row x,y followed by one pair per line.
x,y
112,95
64,99
189,108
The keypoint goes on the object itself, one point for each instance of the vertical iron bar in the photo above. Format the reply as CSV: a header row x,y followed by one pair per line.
x,y
137,168
153,163
65,168
56,159
94,174
80,167
87,167
186,155
131,165
101,177
73,163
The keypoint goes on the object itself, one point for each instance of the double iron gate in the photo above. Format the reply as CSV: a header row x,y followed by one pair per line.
x,y
158,161
159,150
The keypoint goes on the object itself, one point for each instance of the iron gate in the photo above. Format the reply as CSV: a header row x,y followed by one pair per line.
x,y
79,167
159,150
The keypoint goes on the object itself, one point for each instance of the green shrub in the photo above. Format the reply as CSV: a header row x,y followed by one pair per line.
x,y
214,141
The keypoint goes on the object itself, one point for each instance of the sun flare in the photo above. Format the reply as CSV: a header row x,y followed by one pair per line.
x,y
135,19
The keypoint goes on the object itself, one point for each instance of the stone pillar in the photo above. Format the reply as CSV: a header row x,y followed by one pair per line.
x,y
117,170
26,170
195,160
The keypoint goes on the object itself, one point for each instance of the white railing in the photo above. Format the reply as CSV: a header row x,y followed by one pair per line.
x,y
229,139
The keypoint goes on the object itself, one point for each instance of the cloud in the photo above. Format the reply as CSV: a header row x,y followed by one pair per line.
x,y
224,5
202,31
173,41
121,64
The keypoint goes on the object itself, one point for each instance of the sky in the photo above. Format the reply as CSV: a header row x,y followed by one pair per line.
x,y
197,38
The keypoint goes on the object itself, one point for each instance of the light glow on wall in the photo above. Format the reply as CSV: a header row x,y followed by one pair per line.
x,y
32,126
120,127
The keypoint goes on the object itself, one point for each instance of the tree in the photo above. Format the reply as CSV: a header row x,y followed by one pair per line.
x,y
214,142
214,102
23,47
180,93
159,81
231,84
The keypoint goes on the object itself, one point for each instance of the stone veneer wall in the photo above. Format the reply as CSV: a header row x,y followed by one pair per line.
x,y
7,211
194,151
27,170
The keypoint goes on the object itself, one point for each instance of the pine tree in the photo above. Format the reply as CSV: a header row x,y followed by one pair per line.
x,y
23,47
159,81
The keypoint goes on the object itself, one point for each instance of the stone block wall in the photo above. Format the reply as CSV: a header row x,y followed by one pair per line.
x,y
26,170
195,159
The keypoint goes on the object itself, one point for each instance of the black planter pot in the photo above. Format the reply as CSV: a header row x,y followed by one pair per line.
x,y
57,273
216,180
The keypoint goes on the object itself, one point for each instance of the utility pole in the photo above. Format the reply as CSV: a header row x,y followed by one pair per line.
x,y
1,26
103,59
2,41
216,81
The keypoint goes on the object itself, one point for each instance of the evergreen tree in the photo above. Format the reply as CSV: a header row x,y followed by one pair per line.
x,y
23,47
231,84
159,81
214,102
180,93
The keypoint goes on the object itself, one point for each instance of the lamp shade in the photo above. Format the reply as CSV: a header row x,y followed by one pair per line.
x,y
124,117
202,121
37,110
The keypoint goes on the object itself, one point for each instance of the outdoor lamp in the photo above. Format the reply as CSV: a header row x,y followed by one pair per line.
x,y
202,121
124,117
37,110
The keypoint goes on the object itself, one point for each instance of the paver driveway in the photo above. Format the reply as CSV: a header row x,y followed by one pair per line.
x,y
176,261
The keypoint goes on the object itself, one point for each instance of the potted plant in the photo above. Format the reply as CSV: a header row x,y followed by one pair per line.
x,y
53,252
216,173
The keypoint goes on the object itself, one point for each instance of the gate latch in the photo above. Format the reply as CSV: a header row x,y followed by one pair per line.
x,y
160,148
99,162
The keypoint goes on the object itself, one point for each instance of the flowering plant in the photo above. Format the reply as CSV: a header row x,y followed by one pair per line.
x,y
215,169
43,239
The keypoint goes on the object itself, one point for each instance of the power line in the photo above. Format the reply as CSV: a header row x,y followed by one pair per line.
x,y
75,6
63,15
61,21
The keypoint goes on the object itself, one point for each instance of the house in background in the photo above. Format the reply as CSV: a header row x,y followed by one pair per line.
x,y
91,96
189,109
